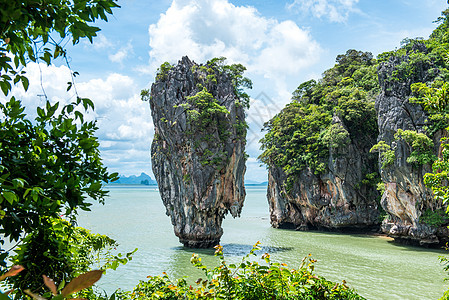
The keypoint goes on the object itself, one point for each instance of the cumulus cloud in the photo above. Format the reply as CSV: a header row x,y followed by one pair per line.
x,y
203,29
121,54
334,10
100,42
125,127
124,122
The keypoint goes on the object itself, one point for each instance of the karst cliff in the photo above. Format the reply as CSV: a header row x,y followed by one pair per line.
x,y
198,152
330,200
406,199
317,149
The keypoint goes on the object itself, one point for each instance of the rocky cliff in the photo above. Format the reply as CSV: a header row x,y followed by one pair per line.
x,y
406,198
198,153
317,149
334,200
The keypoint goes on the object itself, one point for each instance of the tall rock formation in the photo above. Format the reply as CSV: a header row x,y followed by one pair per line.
x,y
198,153
406,198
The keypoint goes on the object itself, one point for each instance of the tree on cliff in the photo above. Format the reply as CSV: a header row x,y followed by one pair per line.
x,y
48,166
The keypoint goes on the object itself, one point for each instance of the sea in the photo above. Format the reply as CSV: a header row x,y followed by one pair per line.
x,y
375,266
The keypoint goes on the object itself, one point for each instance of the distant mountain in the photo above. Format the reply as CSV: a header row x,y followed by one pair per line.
x,y
147,180
133,179
252,182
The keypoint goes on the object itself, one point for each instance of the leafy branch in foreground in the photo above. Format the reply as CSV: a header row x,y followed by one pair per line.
x,y
48,166
247,280
33,31
79,283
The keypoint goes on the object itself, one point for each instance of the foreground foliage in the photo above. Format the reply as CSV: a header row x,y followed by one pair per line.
x,y
62,292
247,280
69,251
33,31
49,166
262,279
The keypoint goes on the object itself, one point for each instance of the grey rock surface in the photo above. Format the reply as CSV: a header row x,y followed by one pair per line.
x,y
199,172
334,200
405,197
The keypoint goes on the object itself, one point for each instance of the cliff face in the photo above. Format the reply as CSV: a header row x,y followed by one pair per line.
x,y
198,151
406,197
334,200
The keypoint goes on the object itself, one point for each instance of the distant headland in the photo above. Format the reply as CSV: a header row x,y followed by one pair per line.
x,y
146,179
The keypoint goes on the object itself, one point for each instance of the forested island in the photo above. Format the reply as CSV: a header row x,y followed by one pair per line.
x,y
352,149
363,148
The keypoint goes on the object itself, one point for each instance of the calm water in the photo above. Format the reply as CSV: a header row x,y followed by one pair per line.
x,y
374,266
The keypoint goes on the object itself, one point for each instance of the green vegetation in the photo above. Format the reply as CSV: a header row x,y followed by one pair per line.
x,y
433,96
302,134
425,59
203,110
434,99
77,285
246,280
434,218
421,145
387,155
49,166
162,71
235,72
262,279
421,149
70,252
438,180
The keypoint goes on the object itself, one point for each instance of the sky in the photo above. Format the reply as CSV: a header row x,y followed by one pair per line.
x,y
282,44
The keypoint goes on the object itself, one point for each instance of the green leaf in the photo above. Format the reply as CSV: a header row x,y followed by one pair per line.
x,y
26,193
95,186
10,197
87,103
40,112
18,183
79,115
47,57
5,86
25,83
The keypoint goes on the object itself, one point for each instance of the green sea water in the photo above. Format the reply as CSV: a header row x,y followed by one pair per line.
x,y
375,266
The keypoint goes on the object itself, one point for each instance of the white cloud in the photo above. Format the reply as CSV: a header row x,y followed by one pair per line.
x,y
121,54
122,116
124,121
100,42
203,29
334,10
289,50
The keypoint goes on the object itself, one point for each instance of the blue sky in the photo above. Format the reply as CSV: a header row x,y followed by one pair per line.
x,y
283,43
